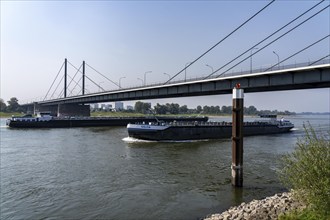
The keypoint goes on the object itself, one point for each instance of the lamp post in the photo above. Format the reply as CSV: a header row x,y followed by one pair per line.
x,y
145,80
210,67
278,59
185,71
120,81
254,48
169,76
141,80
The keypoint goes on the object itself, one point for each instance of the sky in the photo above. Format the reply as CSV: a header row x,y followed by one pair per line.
x,y
125,39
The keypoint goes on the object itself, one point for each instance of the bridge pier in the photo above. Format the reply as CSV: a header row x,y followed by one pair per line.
x,y
73,110
60,110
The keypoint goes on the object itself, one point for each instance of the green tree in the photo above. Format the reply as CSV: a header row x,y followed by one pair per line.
x,y
3,106
13,105
199,109
226,109
142,107
174,108
206,109
146,107
307,171
160,109
183,109
251,110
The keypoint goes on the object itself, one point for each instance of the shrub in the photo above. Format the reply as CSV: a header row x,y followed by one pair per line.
x,y
306,214
307,171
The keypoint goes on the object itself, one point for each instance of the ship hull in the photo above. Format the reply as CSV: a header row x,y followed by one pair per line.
x,y
200,132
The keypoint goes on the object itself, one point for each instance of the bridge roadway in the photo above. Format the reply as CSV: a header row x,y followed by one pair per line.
x,y
288,79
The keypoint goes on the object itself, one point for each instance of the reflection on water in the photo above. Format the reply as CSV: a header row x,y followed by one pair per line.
x,y
99,173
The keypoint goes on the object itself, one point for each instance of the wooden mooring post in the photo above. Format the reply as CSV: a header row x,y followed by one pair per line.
x,y
237,137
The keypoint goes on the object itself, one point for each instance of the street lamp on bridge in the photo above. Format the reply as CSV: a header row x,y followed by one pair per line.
x,y
120,81
254,48
145,79
278,59
185,71
100,86
141,81
210,67
169,76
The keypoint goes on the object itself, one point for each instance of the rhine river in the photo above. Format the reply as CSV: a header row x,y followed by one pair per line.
x,y
93,173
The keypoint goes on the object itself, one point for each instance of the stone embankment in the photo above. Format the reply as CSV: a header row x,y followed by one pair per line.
x,y
268,208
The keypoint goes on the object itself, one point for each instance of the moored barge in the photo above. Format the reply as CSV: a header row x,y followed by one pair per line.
x,y
45,120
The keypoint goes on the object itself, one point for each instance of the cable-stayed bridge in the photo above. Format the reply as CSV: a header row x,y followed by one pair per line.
x,y
277,77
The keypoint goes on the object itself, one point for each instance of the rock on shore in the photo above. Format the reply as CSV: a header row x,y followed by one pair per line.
x,y
268,208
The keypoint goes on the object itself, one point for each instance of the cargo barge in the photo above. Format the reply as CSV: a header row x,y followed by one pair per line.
x,y
45,120
181,131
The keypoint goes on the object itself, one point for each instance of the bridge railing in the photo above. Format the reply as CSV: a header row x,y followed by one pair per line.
x,y
280,67
237,73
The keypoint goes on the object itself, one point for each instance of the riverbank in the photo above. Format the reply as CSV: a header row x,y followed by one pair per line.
x,y
9,114
268,208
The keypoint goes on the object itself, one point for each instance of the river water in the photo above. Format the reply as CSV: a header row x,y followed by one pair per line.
x,y
95,173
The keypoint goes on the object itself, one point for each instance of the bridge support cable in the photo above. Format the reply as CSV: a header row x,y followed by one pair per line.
x,y
77,84
274,40
71,91
260,42
72,79
297,53
311,64
95,83
220,41
53,82
103,75
57,87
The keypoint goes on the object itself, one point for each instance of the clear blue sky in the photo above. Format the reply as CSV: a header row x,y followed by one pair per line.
x,y
128,38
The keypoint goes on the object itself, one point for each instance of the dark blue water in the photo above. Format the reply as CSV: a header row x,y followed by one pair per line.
x,y
91,173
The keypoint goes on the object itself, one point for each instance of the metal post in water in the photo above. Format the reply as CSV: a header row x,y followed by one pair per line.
x,y
83,78
237,137
65,76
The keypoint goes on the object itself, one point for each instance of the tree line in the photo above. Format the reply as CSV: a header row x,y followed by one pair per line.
x,y
174,108
11,106
168,108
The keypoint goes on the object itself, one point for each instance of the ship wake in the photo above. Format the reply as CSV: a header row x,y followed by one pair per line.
x,y
135,140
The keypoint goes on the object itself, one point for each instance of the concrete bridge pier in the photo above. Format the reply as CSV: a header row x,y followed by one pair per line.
x,y
29,109
73,110
60,110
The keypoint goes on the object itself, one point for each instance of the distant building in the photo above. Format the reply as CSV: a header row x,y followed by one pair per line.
x,y
129,107
119,106
96,106
108,107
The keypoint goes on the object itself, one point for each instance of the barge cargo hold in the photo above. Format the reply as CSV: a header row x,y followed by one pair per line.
x,y
47,121
181,131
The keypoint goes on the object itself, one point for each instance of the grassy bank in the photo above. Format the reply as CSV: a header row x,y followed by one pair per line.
x,y
9,114
127,114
